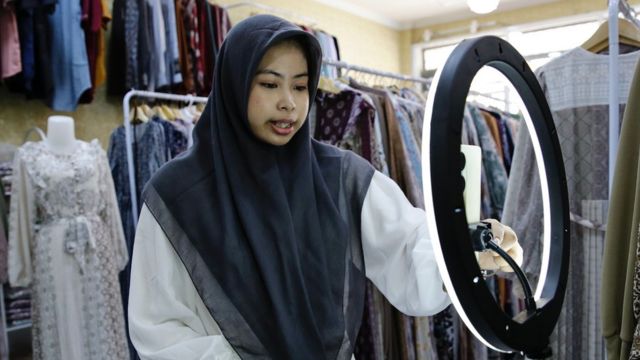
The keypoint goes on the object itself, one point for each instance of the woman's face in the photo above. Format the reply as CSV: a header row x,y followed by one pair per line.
x,y
279,96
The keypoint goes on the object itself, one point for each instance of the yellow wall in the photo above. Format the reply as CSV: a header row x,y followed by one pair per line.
x,y
362,42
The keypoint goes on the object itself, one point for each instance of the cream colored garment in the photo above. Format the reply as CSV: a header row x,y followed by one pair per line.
x,y
168,320
67,244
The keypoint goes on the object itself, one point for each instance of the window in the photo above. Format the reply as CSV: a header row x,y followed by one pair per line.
x,y
539,47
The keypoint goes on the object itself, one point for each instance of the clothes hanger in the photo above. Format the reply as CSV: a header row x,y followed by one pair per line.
x,y
147,110
344,77
168,113
138,113
599,41
328,85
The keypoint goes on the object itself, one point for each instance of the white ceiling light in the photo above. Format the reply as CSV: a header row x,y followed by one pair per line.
x,y
483,6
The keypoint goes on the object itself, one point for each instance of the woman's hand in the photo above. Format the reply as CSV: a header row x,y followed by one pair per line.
x,y
507,239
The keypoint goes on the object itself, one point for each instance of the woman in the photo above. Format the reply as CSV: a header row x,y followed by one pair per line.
x,y
258,241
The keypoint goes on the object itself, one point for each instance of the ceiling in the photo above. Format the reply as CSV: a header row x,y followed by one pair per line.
x,y
406,14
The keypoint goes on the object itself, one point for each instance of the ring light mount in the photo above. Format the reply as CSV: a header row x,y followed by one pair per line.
x,y
527,332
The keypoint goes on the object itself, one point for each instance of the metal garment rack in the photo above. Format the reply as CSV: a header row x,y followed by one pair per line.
x,y
191,98
347,66
615,7
129,136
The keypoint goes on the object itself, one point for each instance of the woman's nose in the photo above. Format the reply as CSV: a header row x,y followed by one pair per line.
x,y
286,103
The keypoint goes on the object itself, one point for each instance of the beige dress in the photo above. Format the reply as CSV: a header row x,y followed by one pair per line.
x,y
66,243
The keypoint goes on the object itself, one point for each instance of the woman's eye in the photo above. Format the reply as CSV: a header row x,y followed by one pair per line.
x,y
268,85
301,88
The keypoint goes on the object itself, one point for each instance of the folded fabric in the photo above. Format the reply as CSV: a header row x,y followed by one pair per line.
x,y
18,293
19,304
19,322
507,239
18,311
20,316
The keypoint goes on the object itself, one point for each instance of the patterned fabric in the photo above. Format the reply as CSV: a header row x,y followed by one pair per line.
x,y
424,340
370,340
192,12
494,129
415,114
150,152
635,346
578,99
493,171
566,89
590,298
186,62
66,241
339,119
4,232
172,55
378,157
507,142
444,330
620,263
131,24
175,140
407,341
345,120
411,145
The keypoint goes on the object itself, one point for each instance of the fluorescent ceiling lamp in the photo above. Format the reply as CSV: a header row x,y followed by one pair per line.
x,y
483,6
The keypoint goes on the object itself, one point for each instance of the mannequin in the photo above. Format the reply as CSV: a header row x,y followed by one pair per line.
x,y
70,248
60,134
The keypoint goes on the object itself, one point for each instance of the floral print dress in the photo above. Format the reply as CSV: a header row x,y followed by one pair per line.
x,y
66,242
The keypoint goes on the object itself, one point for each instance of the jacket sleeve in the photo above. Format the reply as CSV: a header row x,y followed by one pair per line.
x,y
110,212
21,224
398,254
167,318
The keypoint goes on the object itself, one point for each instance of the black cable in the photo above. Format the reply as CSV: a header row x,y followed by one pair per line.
x,y
529,301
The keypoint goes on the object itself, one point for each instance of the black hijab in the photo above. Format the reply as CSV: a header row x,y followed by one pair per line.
x,y
261,228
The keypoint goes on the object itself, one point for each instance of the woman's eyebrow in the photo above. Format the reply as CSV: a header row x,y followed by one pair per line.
x,y
275,73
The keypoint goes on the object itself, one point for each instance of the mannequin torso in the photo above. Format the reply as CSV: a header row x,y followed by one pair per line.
x,y
60,134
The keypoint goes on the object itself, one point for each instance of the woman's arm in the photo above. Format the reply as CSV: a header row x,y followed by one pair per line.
x,y
398,255
167,318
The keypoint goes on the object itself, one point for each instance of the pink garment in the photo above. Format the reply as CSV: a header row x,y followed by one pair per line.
x,y
10,63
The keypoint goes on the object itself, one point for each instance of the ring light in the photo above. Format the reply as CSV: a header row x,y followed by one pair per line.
x,y
529,331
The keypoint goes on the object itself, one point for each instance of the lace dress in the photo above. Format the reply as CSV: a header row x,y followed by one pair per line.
x,y
66,242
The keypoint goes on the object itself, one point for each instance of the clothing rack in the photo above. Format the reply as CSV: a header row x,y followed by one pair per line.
x,y
486,96
308,21
129,138
347,66
615,7
629,12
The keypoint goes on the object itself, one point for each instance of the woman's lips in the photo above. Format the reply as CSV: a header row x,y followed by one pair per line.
x,y
282,127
